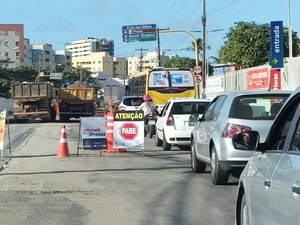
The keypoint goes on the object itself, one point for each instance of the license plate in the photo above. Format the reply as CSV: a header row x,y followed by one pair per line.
x,y
151,122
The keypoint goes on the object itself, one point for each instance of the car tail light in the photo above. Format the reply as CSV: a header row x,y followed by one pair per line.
x,y
121,108
232,129
170,121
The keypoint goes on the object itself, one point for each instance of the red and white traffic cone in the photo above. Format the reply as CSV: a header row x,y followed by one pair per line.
x,y
63,150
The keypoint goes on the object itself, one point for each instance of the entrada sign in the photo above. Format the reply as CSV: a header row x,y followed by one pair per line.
x,y
276,60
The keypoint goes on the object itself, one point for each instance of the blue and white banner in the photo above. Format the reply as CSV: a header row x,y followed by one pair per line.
x,y
93,131
276,32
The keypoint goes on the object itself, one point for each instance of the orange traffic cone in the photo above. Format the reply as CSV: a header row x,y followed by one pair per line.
x,y
63,150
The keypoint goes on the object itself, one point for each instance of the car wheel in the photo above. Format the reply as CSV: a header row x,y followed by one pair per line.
x,y
243,212
197,165
218,174
165,144
158,142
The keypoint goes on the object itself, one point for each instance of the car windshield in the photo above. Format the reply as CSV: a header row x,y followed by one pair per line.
x,y
189,107
134,101
257,107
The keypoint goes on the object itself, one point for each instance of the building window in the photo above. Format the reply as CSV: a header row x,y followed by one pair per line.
x,y
6,43
6,54
17,53
17,33
17,43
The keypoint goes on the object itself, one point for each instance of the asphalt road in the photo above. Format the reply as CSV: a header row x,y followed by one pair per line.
x,y
130,188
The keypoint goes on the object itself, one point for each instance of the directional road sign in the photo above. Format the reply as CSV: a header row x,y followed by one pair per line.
x,y
276,60
132,33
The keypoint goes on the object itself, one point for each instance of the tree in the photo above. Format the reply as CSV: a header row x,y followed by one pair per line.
x,y
248,44
179,62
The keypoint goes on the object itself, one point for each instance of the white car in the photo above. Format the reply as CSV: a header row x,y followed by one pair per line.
x,y
130,103
177,120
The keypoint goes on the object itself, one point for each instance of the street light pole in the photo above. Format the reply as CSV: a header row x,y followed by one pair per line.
x,y
290,31
196,50
192,36
204,51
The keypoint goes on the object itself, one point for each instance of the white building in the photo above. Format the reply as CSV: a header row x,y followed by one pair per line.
x,y
87,46
95,62
149,61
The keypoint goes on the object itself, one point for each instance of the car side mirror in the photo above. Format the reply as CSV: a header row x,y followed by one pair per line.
x,y
200,118
246,140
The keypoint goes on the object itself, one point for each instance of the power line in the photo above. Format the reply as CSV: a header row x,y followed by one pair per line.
x,y
178,9
192,13
221,7
168,12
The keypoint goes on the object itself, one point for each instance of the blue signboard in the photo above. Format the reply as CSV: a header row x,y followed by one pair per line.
x,y
132,33
276,60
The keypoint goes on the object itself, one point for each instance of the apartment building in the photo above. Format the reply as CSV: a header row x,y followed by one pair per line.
x,y
120,67
63,57
27,52
95,62
43,56
11,45
81,48
148,61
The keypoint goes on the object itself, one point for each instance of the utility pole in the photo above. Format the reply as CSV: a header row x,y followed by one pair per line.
x,y
204,51
158,45
290,32
141,57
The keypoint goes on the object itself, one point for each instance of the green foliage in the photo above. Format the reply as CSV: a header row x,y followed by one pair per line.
x,y
10,76
248,44
5,88
184,62
74,74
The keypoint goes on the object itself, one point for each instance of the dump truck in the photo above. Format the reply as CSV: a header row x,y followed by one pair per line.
x,y
32,101
75,101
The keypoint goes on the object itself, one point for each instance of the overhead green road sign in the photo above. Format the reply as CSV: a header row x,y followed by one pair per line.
x,y
132,33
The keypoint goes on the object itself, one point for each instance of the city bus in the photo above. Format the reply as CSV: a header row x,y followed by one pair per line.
x,y
163,83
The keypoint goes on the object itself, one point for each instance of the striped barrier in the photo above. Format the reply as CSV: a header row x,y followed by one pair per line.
x,y
110,134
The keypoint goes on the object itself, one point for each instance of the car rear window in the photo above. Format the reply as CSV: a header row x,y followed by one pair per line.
x,y
134,101
258,107
189,107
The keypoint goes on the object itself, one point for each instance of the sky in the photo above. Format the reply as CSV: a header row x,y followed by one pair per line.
x,y
58,22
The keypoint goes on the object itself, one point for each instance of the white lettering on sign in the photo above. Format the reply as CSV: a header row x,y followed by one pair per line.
x,y
131,130
277,39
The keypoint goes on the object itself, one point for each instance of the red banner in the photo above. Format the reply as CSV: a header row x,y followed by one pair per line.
x,y
275,79
257,79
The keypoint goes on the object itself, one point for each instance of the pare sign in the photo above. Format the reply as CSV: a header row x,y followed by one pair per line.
x,y
129,131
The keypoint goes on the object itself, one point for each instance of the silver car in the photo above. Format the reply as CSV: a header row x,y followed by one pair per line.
x,y
269,186
228,114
